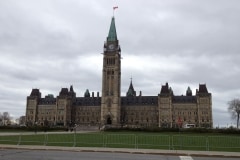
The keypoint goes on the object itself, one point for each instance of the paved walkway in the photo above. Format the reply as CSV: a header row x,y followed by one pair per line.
x,y
125,150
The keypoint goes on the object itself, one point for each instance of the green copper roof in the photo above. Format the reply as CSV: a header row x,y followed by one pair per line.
x,y
131,91
189,89
112,35
87,94
189,92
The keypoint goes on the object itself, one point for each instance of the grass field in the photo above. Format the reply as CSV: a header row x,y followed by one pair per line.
x,y
169,141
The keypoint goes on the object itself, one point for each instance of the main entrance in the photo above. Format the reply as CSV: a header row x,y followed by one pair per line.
x,y
109,120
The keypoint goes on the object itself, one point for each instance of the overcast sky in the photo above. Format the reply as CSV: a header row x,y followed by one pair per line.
x,y
50,44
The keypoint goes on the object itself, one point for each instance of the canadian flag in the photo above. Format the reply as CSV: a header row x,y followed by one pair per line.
x,y
115,7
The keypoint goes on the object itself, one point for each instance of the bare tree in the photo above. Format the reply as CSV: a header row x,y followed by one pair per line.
x,y
1,119
6,118
22,120
234,109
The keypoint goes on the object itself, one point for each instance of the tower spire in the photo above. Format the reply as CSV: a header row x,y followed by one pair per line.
x,y
131,92
112,34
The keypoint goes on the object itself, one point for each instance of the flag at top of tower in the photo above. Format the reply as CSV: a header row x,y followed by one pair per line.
x,y
115,7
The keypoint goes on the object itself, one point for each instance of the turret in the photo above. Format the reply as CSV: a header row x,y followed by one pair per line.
x,y
87,93
32,107
166,90
71,92
202,91
35,93
63,92
189,92
131,92
165,106
204,99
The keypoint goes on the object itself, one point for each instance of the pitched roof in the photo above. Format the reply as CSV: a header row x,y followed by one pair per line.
x,y
47,101
139,100
87,101
63,92
184,99
165,89
131,91
202,88
35,92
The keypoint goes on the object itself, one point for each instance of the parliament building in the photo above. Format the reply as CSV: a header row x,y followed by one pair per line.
x,y
165,109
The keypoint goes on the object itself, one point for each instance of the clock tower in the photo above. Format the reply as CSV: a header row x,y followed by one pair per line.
x,y
111,79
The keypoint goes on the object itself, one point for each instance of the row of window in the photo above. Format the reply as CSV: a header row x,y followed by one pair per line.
x,y
204,112
30,118
138,108
141,113
139,120
203,119
185,113
87,109
51,118
88,113
110,61
87,120
42,112
139,103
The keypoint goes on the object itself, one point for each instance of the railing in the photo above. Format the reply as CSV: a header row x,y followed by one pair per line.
x,y
143,141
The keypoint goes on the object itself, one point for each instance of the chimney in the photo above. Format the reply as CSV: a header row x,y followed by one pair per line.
x,y
97,94
140,93
92,94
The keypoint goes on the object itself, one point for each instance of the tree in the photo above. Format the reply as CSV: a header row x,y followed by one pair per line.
x,y
1,119
22,120
234,109
5,118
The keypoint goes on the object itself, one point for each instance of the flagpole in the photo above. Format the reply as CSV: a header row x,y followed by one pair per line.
x,y
115,7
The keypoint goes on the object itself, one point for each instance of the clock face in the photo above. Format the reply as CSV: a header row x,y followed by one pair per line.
x,y
111,46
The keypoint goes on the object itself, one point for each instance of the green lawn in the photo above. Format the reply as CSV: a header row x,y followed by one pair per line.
x,y
177,141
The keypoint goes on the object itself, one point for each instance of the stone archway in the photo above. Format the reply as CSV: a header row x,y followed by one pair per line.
x,y
109,120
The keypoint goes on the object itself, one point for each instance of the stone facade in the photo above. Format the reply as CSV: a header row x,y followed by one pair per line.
x,y
163,110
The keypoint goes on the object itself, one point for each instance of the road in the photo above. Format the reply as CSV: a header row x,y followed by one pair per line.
x,y
12,154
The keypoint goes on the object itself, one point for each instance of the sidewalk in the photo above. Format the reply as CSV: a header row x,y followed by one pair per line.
x,y
127,150
41,132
